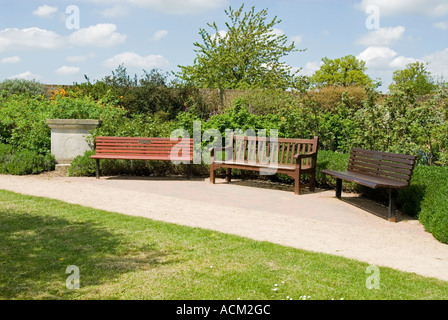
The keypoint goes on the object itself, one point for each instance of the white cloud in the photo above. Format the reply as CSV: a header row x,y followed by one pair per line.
x,y
29,39
441,25
438,62
80,58
297,39
431,8
27,75
401,62
100,35
67,70
116,11
220,33
277,32
382,36
383,58
132,59
13,59
45,11
180,6
376,55
310,68
159,34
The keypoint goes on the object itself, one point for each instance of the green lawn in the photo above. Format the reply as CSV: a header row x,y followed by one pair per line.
x,y
123,257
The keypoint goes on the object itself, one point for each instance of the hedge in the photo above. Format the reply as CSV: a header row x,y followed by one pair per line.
x,y
427,199
22,162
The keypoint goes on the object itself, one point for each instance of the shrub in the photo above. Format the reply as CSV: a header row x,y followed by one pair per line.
x,y
426,198
22,123
148,94
329,97
21,86
21,162
402,124
83,166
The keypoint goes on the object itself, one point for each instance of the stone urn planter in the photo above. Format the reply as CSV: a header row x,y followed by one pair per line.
x,y
68,138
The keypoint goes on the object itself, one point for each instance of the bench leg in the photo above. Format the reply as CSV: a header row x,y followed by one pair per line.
x,y
391,216
338,188
228,174
97,165
313,182
188,170
212,173
297,183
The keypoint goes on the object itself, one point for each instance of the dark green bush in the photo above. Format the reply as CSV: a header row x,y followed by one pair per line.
x,y
21,162
427,199
82,166
150,93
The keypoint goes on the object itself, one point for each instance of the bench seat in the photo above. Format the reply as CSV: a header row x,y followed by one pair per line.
x,y
261,166
367,180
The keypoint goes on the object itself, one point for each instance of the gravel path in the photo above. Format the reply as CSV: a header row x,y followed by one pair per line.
x,y
354,228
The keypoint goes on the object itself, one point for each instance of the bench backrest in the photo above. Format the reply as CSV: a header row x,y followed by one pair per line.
x,y
266,150
383,164
162,148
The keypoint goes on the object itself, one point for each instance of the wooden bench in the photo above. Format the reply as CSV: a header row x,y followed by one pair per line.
x,y
293,157
376,169
138,148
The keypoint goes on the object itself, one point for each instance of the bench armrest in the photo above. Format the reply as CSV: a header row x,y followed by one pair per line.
x,y
299,157
212,151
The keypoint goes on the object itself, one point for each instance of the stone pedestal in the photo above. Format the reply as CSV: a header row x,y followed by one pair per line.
x,y
68,138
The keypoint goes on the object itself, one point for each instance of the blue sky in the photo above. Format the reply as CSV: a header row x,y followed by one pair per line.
x,y
58,42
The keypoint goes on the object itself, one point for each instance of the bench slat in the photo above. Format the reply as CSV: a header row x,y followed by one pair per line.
x,y
386,156
247,148
125,144
139,157
379,174
376,168
393,155
142,148
367,180
140,138
147,149
397,165
249,164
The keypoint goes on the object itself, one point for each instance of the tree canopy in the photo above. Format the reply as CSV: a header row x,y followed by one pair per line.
x,y
345,71
414,77
246,55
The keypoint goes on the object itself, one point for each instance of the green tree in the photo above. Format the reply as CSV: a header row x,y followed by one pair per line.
x,y
414,77
345,71
244,56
